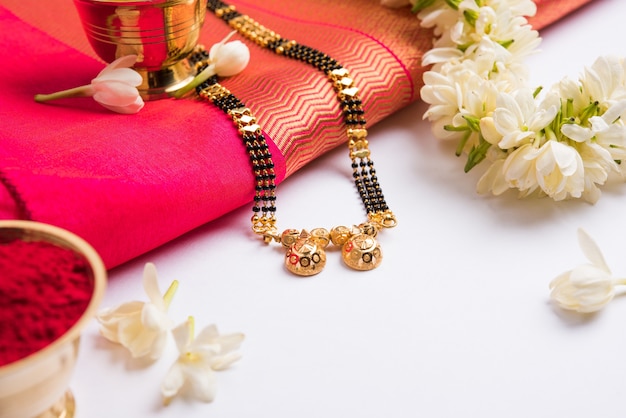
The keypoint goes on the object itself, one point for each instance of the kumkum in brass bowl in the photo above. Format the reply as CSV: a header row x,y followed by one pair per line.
x,y
51,283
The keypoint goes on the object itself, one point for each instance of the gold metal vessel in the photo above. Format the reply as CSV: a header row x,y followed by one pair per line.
x,y
162,33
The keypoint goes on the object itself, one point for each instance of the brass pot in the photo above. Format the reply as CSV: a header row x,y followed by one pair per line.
x,y
162,33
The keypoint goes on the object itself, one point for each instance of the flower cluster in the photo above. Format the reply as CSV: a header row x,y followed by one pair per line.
x,y
143,327
562,141
588,287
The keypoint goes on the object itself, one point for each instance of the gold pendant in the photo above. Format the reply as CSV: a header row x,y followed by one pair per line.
x,y
362,252
306,255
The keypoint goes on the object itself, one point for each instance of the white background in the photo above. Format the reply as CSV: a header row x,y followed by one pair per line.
x,y
457,320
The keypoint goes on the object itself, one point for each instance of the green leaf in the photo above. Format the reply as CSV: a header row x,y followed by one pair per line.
x,y
421,5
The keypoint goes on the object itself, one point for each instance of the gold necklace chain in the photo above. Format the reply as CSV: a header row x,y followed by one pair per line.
x,y
305,254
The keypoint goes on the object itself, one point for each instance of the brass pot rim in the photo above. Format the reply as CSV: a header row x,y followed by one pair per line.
x,y
74,242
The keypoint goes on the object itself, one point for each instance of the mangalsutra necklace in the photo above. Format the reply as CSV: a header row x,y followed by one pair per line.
x,y
305,255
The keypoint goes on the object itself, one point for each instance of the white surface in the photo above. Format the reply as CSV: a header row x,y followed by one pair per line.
x,y
455,323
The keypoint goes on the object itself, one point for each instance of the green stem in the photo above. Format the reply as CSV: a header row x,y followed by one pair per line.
x,y
550,134
477,154
472,122
82,91
199,79
461,145
588,112
454,4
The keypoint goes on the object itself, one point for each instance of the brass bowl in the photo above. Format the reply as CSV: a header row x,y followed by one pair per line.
x,y
162,33
38,385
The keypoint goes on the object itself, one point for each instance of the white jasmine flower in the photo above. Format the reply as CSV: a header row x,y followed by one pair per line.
x,y
440,17
199,358
588,287
141,327
604,81
225,59
229,58
519,119
456,96
441,55
598,163
519,169
601,89
555,168
608,130
522,40
444,94
115,88
611,137
560,172
493,179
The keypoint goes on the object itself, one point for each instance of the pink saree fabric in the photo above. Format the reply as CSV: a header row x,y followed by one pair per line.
x,y
130,183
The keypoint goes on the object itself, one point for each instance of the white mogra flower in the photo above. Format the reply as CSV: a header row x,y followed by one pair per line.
x,y
519,169
199,359
229,58
588,287
440,18
225,59
454,96
141,327
560,172
604,81
115,88
493,179
607,130
519,119
554,169
598,163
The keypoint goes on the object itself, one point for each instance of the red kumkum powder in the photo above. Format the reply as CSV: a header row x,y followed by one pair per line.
x,y
44,290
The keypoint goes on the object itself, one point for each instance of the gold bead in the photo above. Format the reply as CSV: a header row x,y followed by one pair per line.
x,y
321,236
368,228
339,235
289,237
